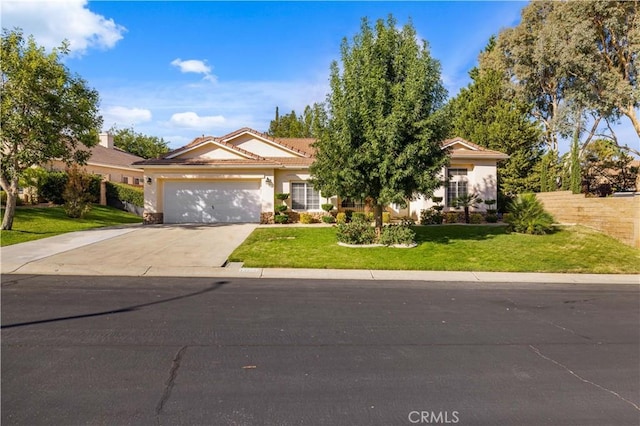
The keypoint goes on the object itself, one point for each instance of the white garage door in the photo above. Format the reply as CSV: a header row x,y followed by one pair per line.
x,y
211,201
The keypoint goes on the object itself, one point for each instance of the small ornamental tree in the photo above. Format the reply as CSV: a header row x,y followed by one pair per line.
x,y
46,112
76,195
384,127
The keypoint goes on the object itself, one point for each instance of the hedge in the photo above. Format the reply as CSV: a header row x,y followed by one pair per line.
x,y
125,193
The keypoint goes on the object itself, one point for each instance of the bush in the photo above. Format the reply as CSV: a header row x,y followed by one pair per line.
x,y
281,208
121,192
397,234
3,198
52,187
356,233
281,218
348,214
476,218
329,219
386,217
306,218
327,207
430,217
341,217
282,196
358,217
527,216
491,218
77,198
451,217
370,217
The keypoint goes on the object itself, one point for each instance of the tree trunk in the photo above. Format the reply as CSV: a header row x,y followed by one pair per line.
x,y
377,213
466,214
10,208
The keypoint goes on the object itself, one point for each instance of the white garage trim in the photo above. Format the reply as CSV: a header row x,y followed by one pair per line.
x,y
212,201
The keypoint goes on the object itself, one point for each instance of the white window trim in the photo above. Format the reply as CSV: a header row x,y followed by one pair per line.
x,y
307,187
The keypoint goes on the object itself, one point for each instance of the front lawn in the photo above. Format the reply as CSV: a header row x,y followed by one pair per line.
x,y
33,223
444,248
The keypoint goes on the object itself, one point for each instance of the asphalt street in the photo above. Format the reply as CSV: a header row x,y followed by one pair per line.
x,y
202,351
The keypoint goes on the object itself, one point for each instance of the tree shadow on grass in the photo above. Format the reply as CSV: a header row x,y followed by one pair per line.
x,y
444,234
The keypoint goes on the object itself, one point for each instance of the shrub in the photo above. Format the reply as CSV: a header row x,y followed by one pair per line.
x,y
341,217
358,217
397,234
327,207
282,196
348,214
77,198
3,198
281,218
329,219
430,217
52,187
491,218
370,217
306,218
437,200
386,217
281,208
451,217
527,216
356,233
121,192
476,218
407,221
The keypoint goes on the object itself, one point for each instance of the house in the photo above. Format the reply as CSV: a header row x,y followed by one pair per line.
x,y
108,161
235,177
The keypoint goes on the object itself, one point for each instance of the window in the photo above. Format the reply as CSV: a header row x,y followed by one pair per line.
x,y
136,181
125,179
456,185
304,197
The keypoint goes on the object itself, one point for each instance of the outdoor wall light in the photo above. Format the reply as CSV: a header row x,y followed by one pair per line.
x,y
268,180
149,180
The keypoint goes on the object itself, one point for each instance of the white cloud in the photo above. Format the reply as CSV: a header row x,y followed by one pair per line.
x,y
51,22
192,120
123,116
194,66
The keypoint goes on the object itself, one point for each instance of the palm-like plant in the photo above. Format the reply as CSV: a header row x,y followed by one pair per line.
x,y
467,201
527,216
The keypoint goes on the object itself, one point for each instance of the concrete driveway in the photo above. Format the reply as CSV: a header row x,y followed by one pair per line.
x,y
159,250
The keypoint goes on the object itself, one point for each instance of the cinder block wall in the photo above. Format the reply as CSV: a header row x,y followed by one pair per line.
x,y
615,216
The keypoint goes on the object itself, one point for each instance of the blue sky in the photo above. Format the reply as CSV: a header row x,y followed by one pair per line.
x,y
179,70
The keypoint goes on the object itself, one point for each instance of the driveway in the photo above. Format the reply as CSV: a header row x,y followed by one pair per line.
x,y
168,250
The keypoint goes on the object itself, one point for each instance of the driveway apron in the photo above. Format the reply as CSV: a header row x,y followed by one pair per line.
x,y
169,250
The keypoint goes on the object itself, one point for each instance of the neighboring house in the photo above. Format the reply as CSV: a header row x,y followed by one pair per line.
x,y
108,161
234,178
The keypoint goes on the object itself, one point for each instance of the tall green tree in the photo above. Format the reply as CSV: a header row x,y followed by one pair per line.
x,y
139,144
294,126
47,112
488,113
574,59
385,120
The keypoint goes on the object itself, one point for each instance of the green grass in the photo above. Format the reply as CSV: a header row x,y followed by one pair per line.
x,y
444,248
42,222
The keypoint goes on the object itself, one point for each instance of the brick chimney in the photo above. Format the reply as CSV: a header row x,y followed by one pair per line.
x,y
106,140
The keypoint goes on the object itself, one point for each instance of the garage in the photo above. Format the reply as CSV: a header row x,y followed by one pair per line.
x,y
212,201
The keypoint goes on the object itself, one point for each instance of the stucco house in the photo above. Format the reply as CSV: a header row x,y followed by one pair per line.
x,y
234,178
108,161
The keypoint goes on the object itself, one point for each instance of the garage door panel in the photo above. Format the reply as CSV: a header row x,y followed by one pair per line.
x,y
212,202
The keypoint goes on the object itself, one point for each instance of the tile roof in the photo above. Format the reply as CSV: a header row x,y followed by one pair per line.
x,y
112,157
302,146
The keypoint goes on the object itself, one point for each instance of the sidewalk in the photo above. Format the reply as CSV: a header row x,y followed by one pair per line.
x,y
30,258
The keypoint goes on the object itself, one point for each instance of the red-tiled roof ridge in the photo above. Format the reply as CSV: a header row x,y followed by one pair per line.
x,y
202,139
278,141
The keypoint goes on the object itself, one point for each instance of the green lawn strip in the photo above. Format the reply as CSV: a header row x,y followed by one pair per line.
x,y
41,222
444,248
